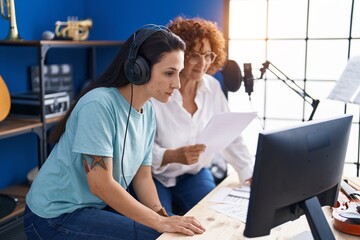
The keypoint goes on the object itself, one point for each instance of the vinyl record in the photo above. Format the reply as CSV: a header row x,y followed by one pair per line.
x,y
7,205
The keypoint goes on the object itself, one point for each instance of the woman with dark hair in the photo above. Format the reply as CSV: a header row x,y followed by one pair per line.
x,y
181,179
103,143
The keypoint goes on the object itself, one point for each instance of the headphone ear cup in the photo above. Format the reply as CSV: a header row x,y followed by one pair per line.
x,y
137,72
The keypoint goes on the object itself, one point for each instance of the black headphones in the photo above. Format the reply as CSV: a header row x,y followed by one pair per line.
x,y
137,69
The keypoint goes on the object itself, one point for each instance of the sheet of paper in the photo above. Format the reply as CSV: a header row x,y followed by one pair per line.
x,y
223,195
231,205
221,130
238,212
243,192
347,87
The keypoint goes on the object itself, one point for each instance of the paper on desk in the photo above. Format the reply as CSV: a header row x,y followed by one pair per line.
x,y
238,212
348,86
226,195
221,130
243,192
232,205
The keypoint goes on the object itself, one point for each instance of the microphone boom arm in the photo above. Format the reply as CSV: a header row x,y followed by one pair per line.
x,y
301,92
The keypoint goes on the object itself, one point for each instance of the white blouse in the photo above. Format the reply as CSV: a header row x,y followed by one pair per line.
x,y
177,128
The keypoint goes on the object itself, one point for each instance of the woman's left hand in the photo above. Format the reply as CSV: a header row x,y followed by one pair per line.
x,y
187,225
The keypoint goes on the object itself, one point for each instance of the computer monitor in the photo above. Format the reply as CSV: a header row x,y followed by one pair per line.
x,y
297,171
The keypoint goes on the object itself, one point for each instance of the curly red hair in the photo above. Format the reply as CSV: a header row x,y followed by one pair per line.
x,y
194,29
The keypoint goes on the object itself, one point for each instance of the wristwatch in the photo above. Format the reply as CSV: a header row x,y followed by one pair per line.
x,y
162,212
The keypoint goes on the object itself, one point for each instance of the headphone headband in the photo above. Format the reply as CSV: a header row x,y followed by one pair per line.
x,y
137,70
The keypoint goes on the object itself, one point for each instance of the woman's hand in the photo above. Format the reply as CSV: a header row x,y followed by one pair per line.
x,y
180,224
248,181
185,155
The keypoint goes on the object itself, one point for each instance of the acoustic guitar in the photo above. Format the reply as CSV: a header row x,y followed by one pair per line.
x,y
5,103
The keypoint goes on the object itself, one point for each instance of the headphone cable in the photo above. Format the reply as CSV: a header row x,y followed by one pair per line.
x,y
126,130
123,152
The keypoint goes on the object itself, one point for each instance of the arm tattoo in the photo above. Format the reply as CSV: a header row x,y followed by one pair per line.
x,y
96,160
87,170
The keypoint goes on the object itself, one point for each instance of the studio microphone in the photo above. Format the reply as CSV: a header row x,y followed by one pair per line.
x,y
248,78
232,76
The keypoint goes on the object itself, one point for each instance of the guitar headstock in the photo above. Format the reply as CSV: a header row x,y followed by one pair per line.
x,y
5,103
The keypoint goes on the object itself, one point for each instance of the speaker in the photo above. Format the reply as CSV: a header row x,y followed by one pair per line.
x,y
137,70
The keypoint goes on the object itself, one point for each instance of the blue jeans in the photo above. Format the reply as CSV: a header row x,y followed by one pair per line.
x,y
86,223
187,192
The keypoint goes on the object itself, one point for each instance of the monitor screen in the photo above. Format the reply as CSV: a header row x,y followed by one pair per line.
x,y
297,170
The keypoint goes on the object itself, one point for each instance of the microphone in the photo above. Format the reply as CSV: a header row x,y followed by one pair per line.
x,y
263,69
248,78
232,76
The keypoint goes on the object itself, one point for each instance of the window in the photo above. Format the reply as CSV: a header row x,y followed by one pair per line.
x,y
310,42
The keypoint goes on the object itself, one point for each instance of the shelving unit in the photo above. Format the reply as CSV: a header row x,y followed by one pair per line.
x,y
13,126
42,48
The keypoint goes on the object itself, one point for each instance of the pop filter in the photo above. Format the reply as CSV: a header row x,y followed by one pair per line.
x,y
232,76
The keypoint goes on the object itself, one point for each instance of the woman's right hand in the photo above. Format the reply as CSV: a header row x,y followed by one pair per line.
x,y
185,155
180,224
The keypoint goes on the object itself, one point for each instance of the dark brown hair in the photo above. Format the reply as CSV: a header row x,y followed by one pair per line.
x,y
152,50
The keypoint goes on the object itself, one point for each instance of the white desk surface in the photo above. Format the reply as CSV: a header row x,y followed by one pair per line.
x,y
222,227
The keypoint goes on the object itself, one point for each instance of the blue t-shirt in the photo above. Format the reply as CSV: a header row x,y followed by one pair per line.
x,y
96,126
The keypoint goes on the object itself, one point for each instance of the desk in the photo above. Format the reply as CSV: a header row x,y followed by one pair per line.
x,y
219,226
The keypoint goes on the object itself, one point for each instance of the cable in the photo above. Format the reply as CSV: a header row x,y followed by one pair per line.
x,y
123,152
257,116
126,130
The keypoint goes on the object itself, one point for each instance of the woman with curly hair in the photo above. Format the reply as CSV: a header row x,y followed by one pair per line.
x,y
181,179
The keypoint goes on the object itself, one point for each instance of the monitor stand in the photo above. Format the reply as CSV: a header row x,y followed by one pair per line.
x,y
319,226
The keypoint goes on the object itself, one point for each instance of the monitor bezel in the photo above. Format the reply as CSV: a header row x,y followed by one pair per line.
x,y
323,193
